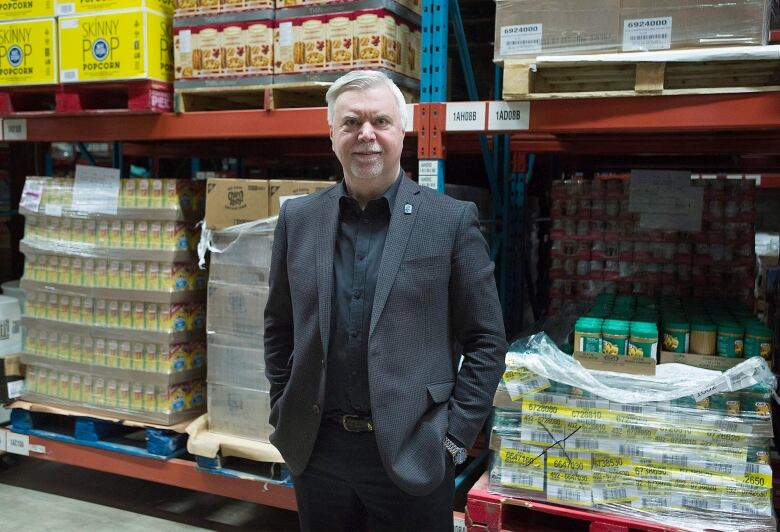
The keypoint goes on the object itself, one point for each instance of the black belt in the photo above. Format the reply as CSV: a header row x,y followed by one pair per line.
x,y
353,423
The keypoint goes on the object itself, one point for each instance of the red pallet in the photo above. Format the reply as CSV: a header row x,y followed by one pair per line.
x,y
119,96
489,512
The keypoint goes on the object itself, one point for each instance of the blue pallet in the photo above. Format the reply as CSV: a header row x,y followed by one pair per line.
x,y
245,469
99,433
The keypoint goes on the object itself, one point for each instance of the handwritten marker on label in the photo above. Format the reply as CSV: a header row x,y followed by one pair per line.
x,y
408,209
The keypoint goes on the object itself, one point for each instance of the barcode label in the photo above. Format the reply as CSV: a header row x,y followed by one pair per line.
x,y
647,34
70,74
758,468
631,450
567,494
615,493
726,469
743,508
700,504
585,403
515,479
632,409
522,382
542,437
674,459
586,443
66,9
521,38
727,426
655,502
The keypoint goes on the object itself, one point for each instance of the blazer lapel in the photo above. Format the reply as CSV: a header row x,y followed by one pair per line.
x,y
326,242
401,223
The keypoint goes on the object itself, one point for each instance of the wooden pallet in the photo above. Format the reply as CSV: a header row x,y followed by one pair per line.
x,y
489,512
639,74
268,97
148,442
115,97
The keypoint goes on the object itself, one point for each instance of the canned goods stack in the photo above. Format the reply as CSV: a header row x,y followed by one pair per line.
x,y
115,315
688,448
238,390
598,245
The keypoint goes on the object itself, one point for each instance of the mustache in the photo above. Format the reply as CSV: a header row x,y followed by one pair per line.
x,y
369,149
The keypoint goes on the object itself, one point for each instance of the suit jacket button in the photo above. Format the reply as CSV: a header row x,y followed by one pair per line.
x,y
315,409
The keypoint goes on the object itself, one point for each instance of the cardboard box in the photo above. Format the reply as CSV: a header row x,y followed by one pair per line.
x,y
527,28
28,52
11,377
24,9
618,363
665,24
116,45
280,190
83,7
699,361
235,201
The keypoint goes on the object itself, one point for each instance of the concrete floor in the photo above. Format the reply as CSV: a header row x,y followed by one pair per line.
x,y
40,495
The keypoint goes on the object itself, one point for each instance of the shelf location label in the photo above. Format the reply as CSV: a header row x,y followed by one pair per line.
x,y
466,116
18,444
15,129
508,116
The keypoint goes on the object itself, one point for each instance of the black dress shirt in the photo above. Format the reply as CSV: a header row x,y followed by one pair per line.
x,y
360,241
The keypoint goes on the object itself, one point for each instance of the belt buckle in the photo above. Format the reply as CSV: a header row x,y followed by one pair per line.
x,y
344,423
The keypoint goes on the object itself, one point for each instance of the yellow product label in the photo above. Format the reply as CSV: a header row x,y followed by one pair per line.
x,y
77,230
53,308
152,321
126,315
123,397
88,312
127,194
139,316
115,234
90,231
125,355
141,235
138,356
156,194
174,236
127,278
52,268
112,392
180,318
139,275
87,389
88,273
155,235
25,9
74,7
64,391
112,353
64,349
101,352
112,314
150,357
103,233
128,234
54,384
99,391
53,229
28,48
127,44
101,274
63,272
137,397
75,388
76,272
114,277
100,312
150,399
53,344
88,350
76,349
142,193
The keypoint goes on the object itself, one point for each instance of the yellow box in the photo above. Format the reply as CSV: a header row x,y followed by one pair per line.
x,y
150,357
28,50
83,7
116,45
137,397
23,9
125,355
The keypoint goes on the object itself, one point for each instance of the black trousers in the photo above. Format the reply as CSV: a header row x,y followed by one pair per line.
x,y
345,487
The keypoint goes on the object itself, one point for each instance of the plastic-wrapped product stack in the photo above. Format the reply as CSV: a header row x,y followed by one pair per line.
x,y
115,307
238,391
687,447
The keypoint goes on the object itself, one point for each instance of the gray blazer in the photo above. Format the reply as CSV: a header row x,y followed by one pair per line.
x,y
435,291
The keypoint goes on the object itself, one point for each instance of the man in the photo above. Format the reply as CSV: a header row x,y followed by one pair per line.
x,y
373,284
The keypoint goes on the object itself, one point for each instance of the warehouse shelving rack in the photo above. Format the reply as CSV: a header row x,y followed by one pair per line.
x,y
740,124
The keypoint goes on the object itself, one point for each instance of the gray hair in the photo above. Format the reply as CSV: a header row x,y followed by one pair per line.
x,y
361,80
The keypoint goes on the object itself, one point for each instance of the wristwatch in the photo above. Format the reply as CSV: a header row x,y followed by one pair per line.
x,y
458,453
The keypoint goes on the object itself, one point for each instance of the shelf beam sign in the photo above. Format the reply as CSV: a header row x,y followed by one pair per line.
x,y
508,116
430,173
14,129
466,116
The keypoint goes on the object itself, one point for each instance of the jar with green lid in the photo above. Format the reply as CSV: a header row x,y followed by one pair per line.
x,y
731,338
677,335
704,337
587,335
758,341
614,337
643,340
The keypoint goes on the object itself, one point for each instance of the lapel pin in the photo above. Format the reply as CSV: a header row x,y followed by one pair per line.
x,y
408,208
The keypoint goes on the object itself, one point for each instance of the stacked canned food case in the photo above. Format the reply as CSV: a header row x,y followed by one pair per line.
x,y
670,449
115,303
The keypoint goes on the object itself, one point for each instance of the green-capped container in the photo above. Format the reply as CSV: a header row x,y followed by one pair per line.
x,y
758,341
614,336
677,335
731,339
704,337
587,335
643,340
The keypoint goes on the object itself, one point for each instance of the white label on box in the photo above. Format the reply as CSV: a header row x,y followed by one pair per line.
x,y
507,116
18,444
663,191
31,196
69,24
66,9
96,190
521,38
285,34
70,74
185,41
3,434
15,129
15,389
647,34
53,209
409,117
466,116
